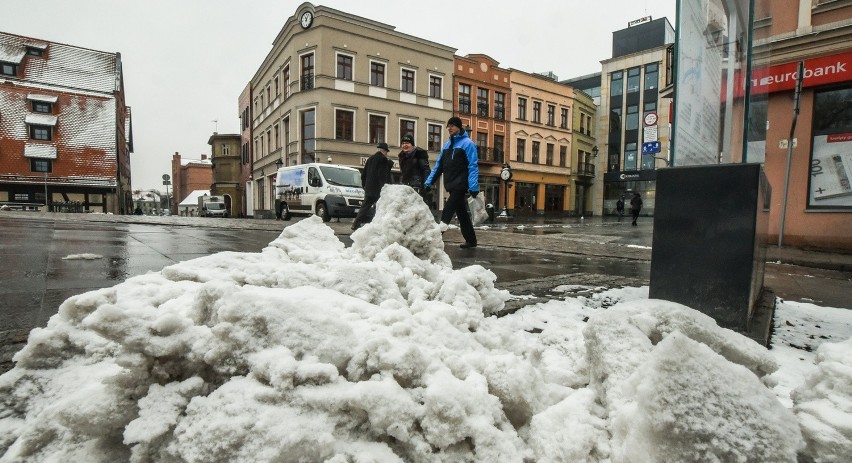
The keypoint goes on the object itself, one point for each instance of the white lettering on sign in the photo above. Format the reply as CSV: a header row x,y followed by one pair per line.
x,y
646,19
836,68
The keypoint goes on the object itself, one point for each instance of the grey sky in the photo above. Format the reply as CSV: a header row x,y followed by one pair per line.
x,y
186,61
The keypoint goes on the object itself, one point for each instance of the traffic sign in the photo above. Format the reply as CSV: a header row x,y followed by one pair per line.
x,y
649,134
651,147
651,118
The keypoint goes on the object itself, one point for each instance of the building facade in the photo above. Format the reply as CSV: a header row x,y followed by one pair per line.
x,y
189,175
541,145
226,162
481,100
65,130
633,129
334,85
819,196
245,151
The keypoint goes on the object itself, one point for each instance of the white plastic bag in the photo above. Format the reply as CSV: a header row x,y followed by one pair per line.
x,y
476,207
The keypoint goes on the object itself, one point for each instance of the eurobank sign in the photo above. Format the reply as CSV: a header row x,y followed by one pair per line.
x,y
819,71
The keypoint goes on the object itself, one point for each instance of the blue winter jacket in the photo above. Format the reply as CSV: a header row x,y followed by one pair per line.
x,y
459,162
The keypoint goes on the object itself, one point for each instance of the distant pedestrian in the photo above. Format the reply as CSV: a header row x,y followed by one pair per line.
x,y
459,163
635,206
619,208
414,166
138,211
375,175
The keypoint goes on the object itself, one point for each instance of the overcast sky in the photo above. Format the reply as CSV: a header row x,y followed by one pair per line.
x,y
186,61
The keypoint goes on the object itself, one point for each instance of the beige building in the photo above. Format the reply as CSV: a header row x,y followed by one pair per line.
x,y
540,144
584,153
226,161
334,85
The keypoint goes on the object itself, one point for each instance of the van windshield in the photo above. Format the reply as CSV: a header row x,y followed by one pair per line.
x,y
341,177
215,206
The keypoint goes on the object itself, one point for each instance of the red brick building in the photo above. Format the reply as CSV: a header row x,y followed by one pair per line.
x,y
189,175
65,130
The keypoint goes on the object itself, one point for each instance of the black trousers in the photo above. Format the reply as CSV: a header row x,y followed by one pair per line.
x,y
635,213
457,204
365,213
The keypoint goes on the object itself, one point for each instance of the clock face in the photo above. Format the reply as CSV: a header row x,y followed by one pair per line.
x,y
307,19
505,174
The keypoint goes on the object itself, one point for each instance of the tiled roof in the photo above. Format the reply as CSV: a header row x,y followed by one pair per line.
x,y
40,150
62,65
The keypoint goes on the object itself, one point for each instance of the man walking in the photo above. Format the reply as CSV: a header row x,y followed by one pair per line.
x,y
414,166
459,163
619,208
635,206
376,174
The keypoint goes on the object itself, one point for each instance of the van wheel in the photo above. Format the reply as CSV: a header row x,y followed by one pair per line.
x,y
284,212
322,211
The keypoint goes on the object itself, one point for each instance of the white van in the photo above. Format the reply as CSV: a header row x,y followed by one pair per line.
x,y
326,190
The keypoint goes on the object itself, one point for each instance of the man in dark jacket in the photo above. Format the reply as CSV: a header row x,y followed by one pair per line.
x,y
635,206
459,163
375,175
414,166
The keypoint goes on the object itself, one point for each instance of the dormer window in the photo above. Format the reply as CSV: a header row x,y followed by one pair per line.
x,y
8,69
42,107
34,51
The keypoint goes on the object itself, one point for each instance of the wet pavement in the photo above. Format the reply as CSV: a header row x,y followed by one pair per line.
x,y
528,257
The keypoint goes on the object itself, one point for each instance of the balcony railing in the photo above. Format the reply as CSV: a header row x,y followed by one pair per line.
x,y
307,82
487,154
586,169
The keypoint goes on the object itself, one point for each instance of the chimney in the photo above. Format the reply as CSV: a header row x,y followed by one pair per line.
x,y
203,157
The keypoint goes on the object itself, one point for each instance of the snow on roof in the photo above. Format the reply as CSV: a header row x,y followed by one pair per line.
x,y
40,150
44,98
63,65
186,162
192,198
40,119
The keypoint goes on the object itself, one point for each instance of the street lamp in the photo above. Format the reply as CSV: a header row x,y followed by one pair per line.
x,y
166,182
279,163
467,129
505,175
595,151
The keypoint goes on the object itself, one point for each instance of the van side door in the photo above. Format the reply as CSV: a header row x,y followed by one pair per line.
x,y
314,188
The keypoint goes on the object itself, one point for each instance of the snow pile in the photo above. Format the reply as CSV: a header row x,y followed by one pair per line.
x,y
824,404
311,351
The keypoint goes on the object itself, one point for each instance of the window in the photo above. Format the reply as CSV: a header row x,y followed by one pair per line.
x,y
226,150
536,113
498,148
277,136
43,166
434,137
286,124
650,106
630,159
268,141
262,105
42,107
377,129
41,132
406,83
244,152
377,74
551,115
536,148
307,71
287,82
633,80
520,150
499,106
344,124
563,156
564,121
464,98
549,154
262,145
277,85
582,123
830,159
652,76
344,67
268,94
8,69
631,121
482,144
588,125
435,86
522,109
616,83
482,102
308,136
34,51
407,127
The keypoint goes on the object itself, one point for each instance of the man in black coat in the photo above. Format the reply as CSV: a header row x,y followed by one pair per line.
x,y
375,175
635,207
414,166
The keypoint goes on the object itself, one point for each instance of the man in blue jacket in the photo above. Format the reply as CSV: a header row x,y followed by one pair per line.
x,y
459,163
